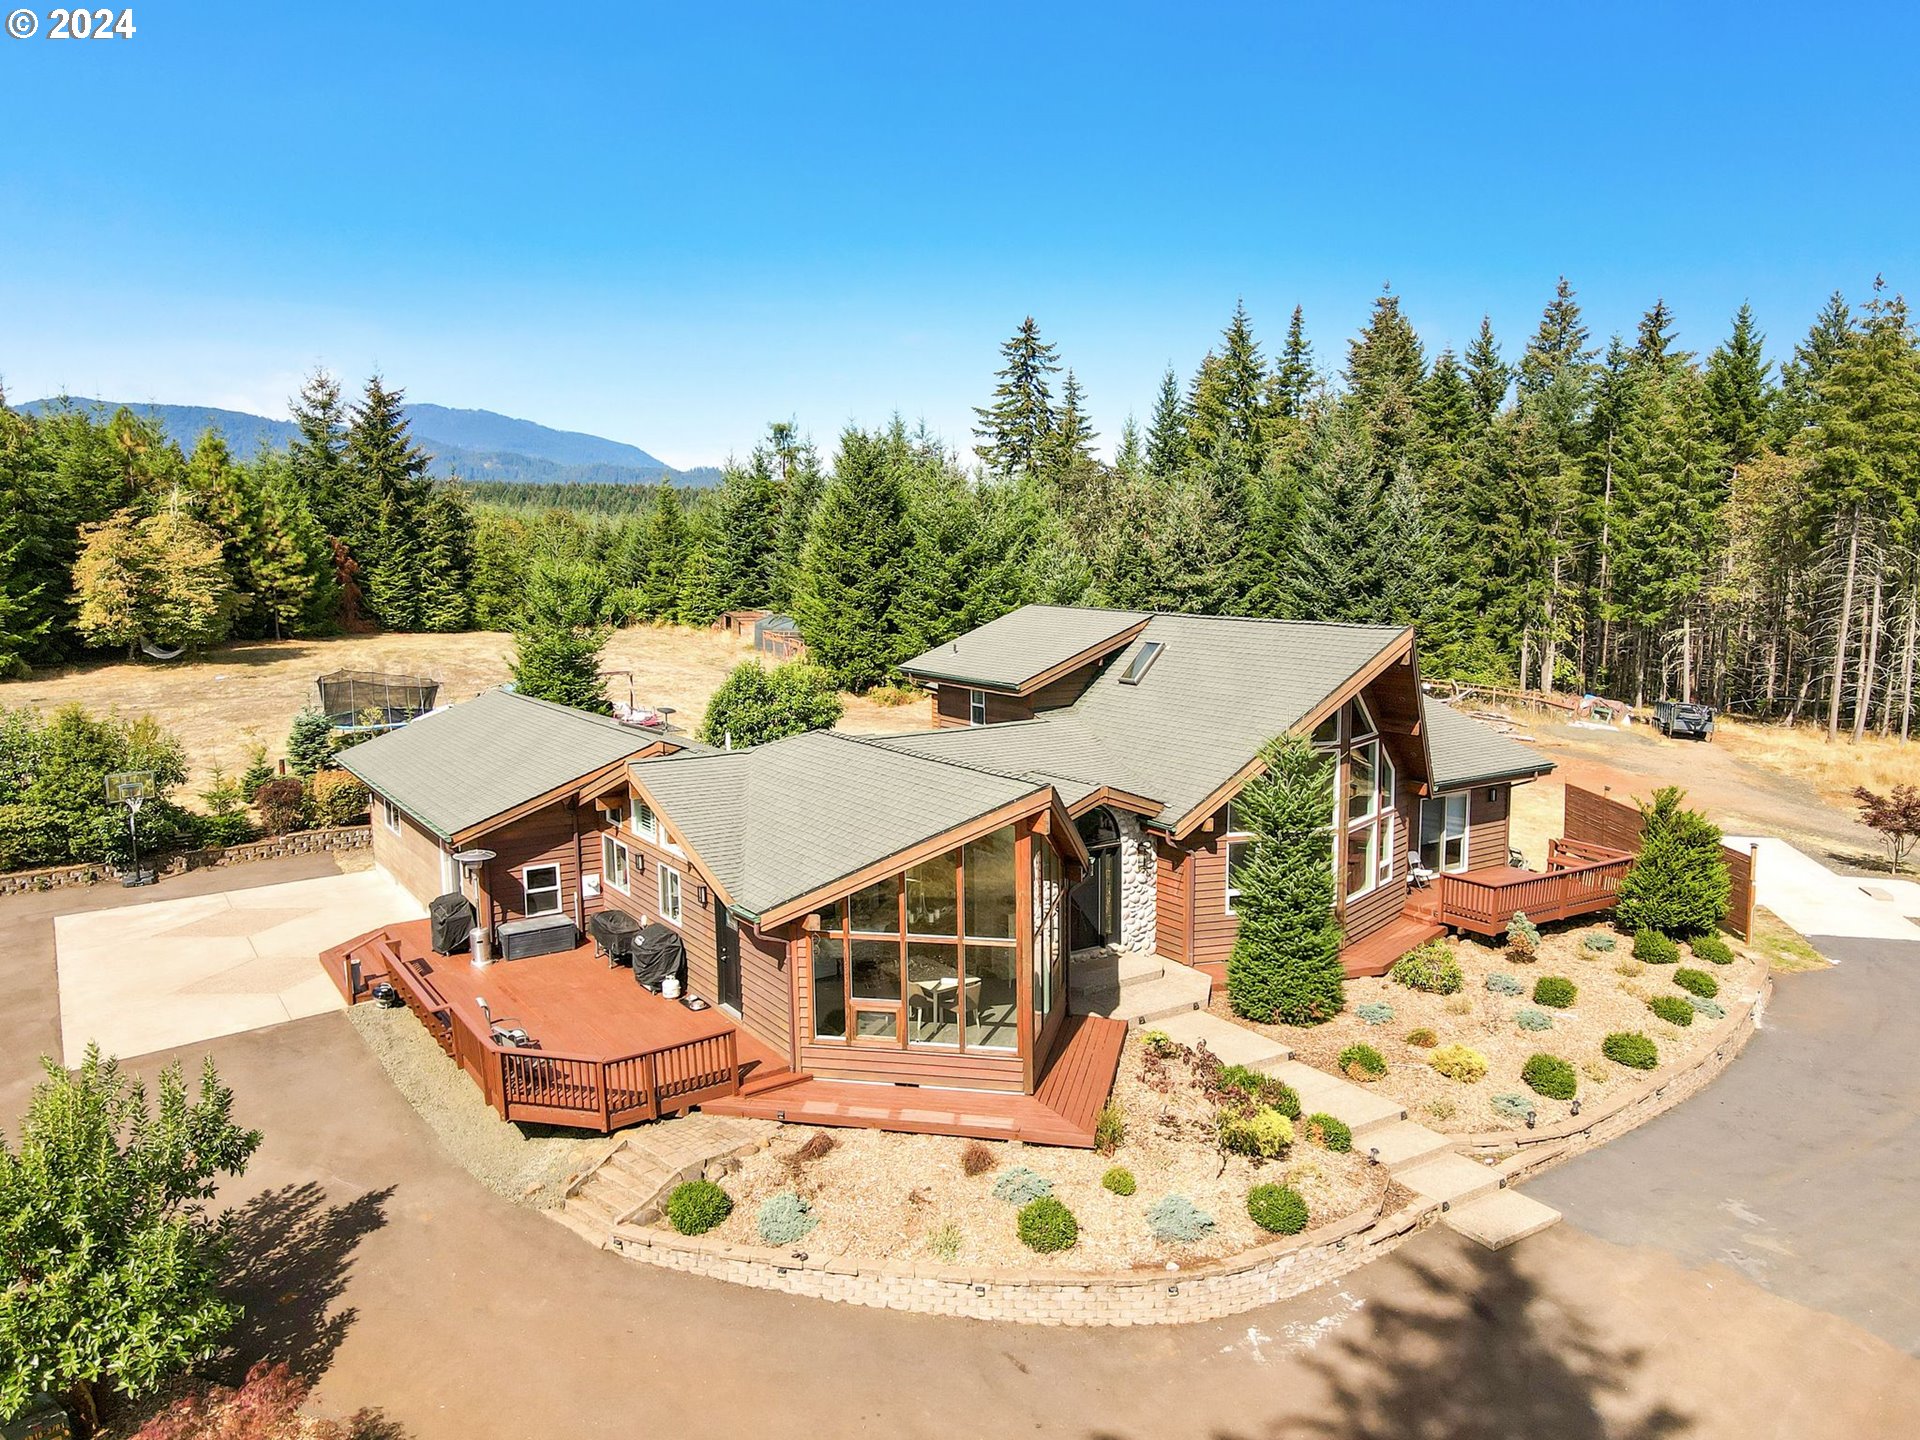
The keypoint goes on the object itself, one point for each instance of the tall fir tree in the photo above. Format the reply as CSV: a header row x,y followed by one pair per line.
x,y
1294,375
1016,430
1073,435
1797,407
318,454
1488,376
386,486
1738,399
1228,401
666,551
854,564
1169,436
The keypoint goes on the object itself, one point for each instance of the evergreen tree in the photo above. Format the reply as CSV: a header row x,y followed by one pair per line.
x,y
319,456
1169,436
1487,375
666,550
1017,429
386,491
1071,443
33,538
1130,456
1678,882
852,568
700,598
798,477
558,636
1335,571
446,551
1228,403
1802,379
1738,401
1294,375
289,570
1448,408
1559,345
745,534
1269,541
309,743
1285,964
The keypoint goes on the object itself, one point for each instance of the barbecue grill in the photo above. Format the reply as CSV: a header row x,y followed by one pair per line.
x,y
614,935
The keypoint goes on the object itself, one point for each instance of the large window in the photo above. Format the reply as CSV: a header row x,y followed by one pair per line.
x,y
1443,833
1367,805
926,958
669,895
541,886
613,863
1239,843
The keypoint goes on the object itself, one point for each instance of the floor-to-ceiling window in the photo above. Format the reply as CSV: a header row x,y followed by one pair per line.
x,y
1443,833
1367,814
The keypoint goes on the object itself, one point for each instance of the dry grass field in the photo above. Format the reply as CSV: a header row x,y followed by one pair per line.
x,y
239,695
1833,768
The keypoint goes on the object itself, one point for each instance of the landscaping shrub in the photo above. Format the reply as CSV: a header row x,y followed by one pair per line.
x,y
1160,1044
1555,991
1263,1131
1523,939
1442,1108
1627,969
1672,1009
1277,1209
1178,1219
1362,1062
976,1159
697,1206
1109,1128
282,805
1654,948
1712,1009
1595,1071
1285,963
1550,1076
1021,1186
1512,1107
1119,1180
1262,1089
1678,883
1696,982
1630,1048
944,1241
1599,942
1458,1062
1374,1012
1422,1039
310,743
785,1218
1429,967
820,1144
1047,1226
1501,983
757,703
1712,949
338,798
1329,1133
1529,1019
216,832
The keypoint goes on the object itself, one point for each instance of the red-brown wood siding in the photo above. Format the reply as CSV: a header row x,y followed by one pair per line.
x,y
1172,908
546,837
697,923
766,999
411,857
951,699
1489,814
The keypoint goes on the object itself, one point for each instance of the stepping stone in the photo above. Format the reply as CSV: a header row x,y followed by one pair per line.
x,y
1364,1110
1499,1219
1449,1178
1234,1044
1403,1143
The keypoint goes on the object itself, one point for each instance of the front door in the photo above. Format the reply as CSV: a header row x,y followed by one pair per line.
x,y
1095,901
727,939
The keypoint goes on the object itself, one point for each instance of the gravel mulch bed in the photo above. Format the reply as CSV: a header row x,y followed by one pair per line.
x,y
527,1164
884,1196
1613,992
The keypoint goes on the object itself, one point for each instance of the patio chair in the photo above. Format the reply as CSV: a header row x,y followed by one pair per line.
x,y
1418,875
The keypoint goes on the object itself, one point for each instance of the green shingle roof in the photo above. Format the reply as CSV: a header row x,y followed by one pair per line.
x,y
1004,654
1465,751
780,820
454,768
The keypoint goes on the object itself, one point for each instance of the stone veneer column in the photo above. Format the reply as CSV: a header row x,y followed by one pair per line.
x,y
1138,886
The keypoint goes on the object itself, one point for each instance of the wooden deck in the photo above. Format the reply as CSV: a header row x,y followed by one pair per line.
x,y
1077,1082
1579,880
1375,954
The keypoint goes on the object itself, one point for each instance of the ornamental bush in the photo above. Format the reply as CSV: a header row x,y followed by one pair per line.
x,y
785,1218
1696,982
757,703
1262,1089
1159,1044
1021,1186
697,1206
1277,1209
1329,1133
1109,1127
1374,1012
1712,949
1362,1062
1653,948
1678,883
1523,939
1672,1009
1550,1076
1263,1131
1459,1062
1429,967
1501,983
1630,1048
1512,1107
1712,1009
1119,1180
1555,991
975,1159
1422,1038
1530,1019
1177,1219
1047,1226
1599,942
338,798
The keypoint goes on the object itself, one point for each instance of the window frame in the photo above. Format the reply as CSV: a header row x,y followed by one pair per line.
x,y
644,823
390,815
1446,837
528,889
976,707
616,860
678,912
1233,839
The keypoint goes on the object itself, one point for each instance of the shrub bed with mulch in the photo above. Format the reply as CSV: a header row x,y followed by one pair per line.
x,y
1503,1023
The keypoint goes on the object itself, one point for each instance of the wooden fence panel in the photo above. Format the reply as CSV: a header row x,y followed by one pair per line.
x,y
1596,819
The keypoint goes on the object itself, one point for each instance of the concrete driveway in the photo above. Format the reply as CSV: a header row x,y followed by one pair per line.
x,y
1816,900
174,972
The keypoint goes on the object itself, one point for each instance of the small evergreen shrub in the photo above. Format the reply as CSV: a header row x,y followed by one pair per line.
x,y
1160,1044
1599,942
1550,1076
1678,883
1696,982
1109,1128
338,798
975,1159
1501,983
1262,1089
1512,1107
1712,1009
1047,1226
1263,1131
1329,1133
1555,991
1021,1186
1429,967
1712,949
1422,1039
697,1206
1442,1108
944,1241
1630,1048
785,1218
1655,948
1119,1180
1362,1062
1523,939
1178,1220
1374,1012
1530,1019
1672,1009
1277,1209
1459,1062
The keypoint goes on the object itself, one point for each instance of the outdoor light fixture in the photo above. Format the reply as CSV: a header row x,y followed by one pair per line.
x,y
1576,1107
470,863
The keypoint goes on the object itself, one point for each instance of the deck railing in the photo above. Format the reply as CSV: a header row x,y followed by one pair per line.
x,y
1579,880
550,1088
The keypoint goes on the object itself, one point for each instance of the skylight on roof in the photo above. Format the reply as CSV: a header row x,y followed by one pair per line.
x,y
1142,662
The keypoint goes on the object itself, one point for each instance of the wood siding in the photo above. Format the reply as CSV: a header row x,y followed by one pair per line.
x,y
950,700
1172,905
411,857
766,994
546,837
1489,816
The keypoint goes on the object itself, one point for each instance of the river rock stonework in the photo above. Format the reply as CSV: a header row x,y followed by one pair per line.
x,y
1137,885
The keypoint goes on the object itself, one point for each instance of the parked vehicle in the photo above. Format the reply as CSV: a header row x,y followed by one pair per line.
x,y
1684,719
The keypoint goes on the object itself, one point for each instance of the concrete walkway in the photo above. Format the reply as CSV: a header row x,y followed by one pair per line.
x,y
1817,901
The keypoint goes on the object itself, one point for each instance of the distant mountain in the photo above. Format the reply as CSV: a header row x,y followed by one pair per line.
x,y
473,444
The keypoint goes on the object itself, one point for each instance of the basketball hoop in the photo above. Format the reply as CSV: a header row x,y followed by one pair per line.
x,y
132,788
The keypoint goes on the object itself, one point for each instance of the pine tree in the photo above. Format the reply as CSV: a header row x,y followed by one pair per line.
x,y
1015,431
559,636
1293,375
1169,436
1071,442
667,542
744,534
1285,964
852,568
1335,571
1487,375
319,456
446,550
386,491
1678,883
1228,402
700,598
1798,404
1737,396
1386,366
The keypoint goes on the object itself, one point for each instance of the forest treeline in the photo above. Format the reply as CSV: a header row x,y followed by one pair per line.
x,y
1625,516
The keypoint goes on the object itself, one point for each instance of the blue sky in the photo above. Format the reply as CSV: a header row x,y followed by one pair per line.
x,y
669,225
